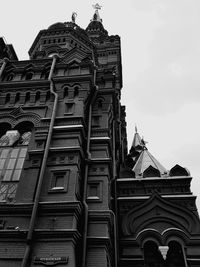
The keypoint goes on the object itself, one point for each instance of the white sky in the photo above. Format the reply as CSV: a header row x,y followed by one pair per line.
x,y
161,63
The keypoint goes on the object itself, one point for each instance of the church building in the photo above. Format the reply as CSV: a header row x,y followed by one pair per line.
x,y
71,195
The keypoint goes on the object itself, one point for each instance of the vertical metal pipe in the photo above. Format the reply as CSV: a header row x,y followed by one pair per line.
x,y
41,175
114,182
87,167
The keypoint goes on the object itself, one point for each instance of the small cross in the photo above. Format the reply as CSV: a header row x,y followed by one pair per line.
x,y
97,6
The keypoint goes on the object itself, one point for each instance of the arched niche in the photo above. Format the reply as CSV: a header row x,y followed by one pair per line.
x,y
177,170
25,126
151,172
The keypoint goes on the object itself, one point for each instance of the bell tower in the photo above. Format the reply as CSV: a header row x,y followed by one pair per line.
x,y
60,125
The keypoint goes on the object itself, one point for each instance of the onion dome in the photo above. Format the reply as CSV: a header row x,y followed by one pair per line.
x,y
67,25
58,25
95,27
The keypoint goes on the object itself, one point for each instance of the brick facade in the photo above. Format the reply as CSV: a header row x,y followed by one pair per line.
x,y
74,200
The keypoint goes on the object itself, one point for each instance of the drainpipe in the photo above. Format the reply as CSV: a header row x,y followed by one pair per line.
x,y
5,61
113,180
88,159
43,166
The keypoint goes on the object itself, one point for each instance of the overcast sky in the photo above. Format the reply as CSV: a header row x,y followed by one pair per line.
x,y
160,41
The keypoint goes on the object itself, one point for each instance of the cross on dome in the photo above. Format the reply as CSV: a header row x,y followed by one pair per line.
x,y
96,16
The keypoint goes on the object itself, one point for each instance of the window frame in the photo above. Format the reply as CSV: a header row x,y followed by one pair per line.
x,y
54,175
98,197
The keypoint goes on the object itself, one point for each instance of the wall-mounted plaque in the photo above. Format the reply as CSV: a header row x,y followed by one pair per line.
x,y
50,261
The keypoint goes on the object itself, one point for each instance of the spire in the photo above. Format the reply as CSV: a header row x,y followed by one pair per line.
x,y
145,160
138,142
96,16
142,158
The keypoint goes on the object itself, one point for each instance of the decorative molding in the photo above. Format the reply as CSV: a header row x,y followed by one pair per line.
x,y
159,214
18,115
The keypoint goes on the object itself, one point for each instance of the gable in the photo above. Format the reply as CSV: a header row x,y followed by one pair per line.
x,y
159,214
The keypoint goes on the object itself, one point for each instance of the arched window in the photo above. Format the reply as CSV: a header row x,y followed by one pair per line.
x,y
76,91
17,97
175,256
27,98
37,97
48,95
45,73
9,77
100,104
7,98
13,150
152,255
28,75
4,127
65,92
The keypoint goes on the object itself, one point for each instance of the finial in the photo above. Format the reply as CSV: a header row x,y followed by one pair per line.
x,y
74,15
136,129
96,16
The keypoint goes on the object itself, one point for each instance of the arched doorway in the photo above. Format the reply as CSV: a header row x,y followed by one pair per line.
x,y
152,255
175,256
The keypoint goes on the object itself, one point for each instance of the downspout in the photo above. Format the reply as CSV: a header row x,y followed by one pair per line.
x,y
5,61
88,159
41,175
113,180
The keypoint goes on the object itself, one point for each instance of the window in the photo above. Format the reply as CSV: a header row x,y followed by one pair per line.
x,y
27,98
10,77
13,150
11,163
94,192
17,97
95,121
28,76
69,108
59,181
7,98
